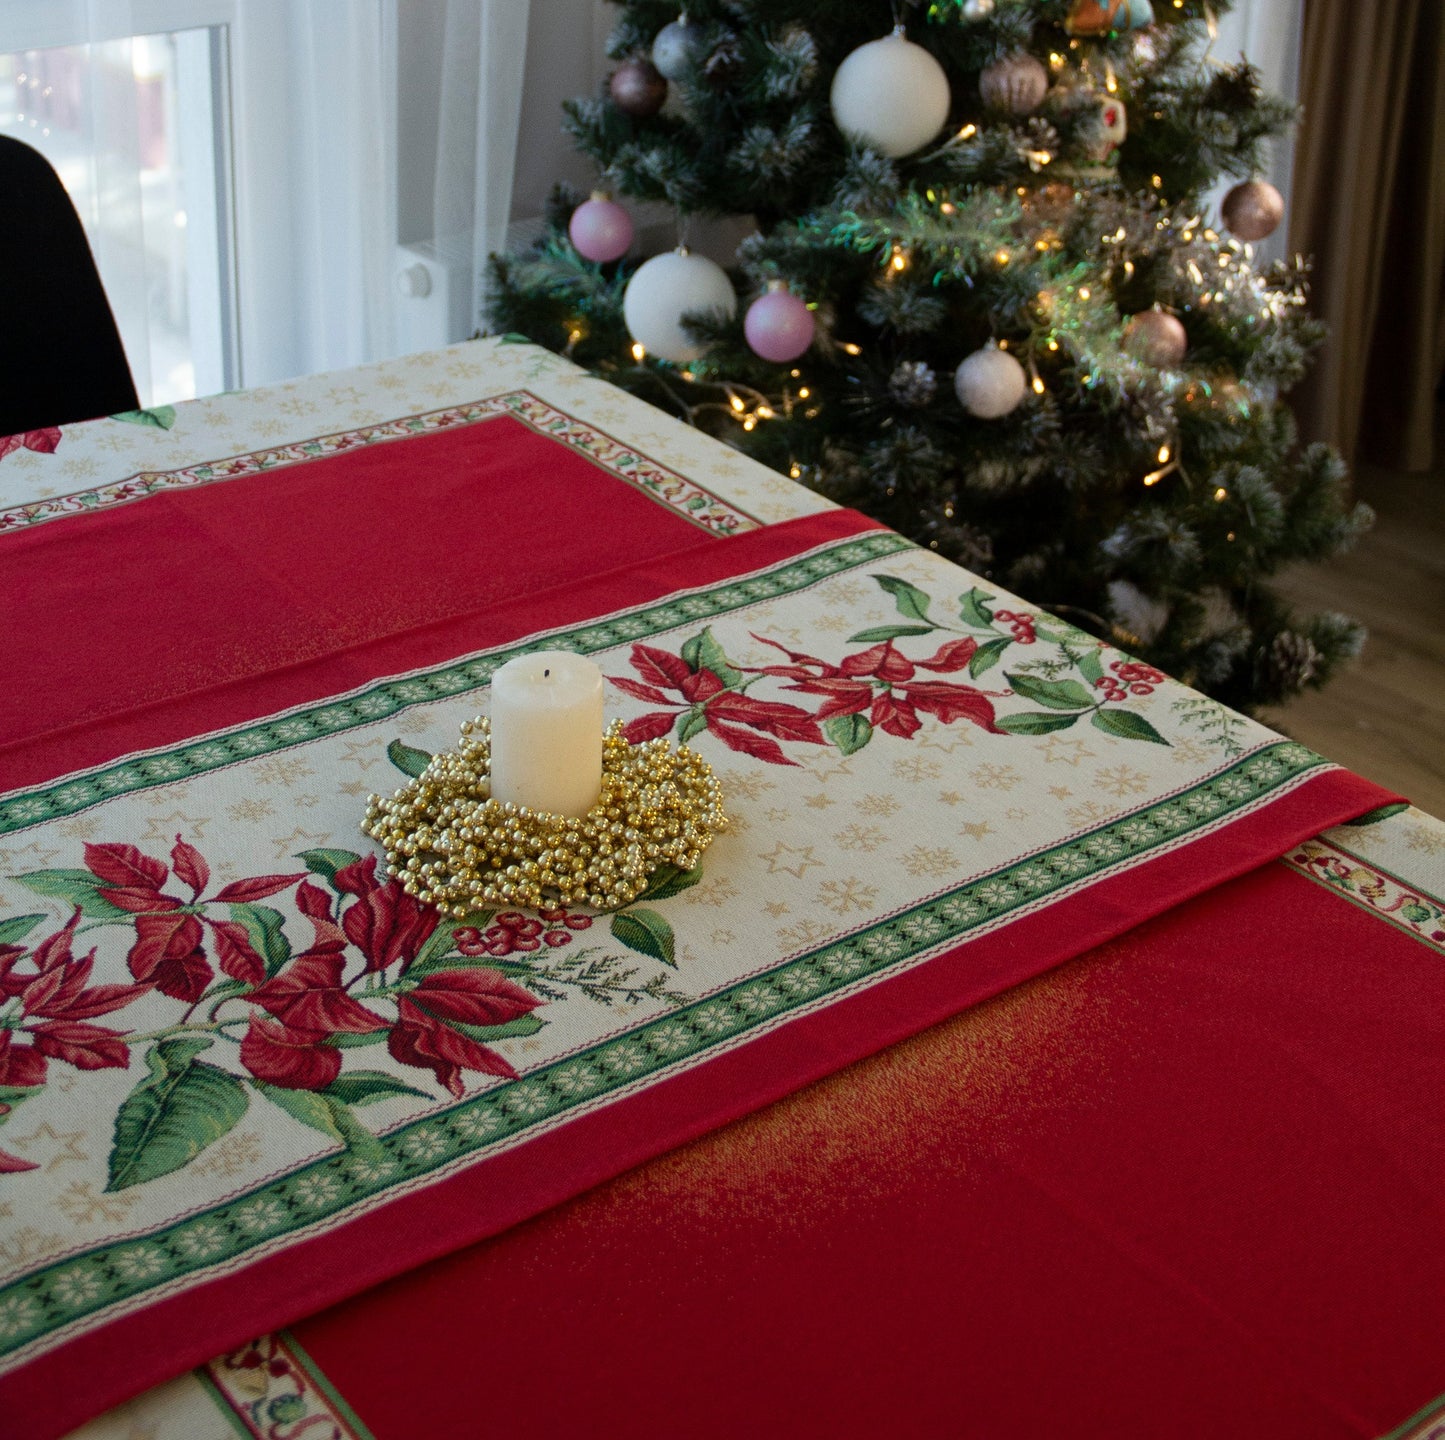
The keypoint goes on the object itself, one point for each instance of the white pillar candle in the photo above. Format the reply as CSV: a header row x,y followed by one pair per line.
x,y
547,732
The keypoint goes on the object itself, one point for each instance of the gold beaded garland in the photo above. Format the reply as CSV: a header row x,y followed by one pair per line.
x,y
450,844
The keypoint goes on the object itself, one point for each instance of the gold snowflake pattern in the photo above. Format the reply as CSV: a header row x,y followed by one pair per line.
x,y
913,769
995,777
1121,780
28,1244
715,892
859,837
238,1151
251,809
932,862
281,770
744,785
1091,812
80,1202
843,897
804,934
878,806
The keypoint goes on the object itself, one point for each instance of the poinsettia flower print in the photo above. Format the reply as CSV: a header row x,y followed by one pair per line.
x,y
708,701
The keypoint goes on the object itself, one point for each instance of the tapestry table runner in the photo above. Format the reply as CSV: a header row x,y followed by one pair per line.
x,y
244,1076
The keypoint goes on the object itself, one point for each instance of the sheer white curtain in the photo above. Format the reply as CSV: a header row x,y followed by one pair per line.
x,y
1267,33
292,145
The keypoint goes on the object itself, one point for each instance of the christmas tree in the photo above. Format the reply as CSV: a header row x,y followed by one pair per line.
x,y
984,302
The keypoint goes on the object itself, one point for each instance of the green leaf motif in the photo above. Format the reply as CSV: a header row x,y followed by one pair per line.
x,y
330,1116
183,1106
850,733
519,1028
1091,664
326,863
366,1087
436,953
265,926
976,609
1056,694
911,601
703,652
691,724
162,417
1373,817
17,927
1036,722
889,632
1127,726
346,1040
988,655
408,760
75,887
13,1095
647,932
668,880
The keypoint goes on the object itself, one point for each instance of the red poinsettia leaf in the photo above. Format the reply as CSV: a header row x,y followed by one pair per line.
x,y
54,989
21,1066
190,866
102,999
952,656
849,700
258,887
125,867
9,443
87,1047
473,997
294,1060
883,660
139,901
313,901
420,1040
54,950
796,656
638,690
358,878
787,722
652,726
235,953
895,716
659,668
953,702
748,742
13,1164
167,952
701,685
44,441
307,995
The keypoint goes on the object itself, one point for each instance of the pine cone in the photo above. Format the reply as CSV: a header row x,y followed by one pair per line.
x,y
913,383
1292,661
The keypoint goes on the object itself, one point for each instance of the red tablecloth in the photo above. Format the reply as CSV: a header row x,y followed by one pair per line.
x,y
195,633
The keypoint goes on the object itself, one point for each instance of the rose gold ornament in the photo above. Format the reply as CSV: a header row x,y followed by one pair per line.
x,y
638,89
1017,83
1157,338
1253,210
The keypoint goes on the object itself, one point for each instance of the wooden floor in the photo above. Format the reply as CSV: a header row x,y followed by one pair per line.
x,y
1385,715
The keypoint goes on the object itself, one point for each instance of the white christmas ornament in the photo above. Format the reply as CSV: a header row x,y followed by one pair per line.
x,y
666,288
891,94
677,46
990,383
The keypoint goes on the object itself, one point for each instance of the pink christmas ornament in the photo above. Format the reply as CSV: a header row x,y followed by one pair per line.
x,y
778,326
600,228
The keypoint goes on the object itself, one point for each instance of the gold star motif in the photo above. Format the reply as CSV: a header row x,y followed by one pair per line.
x,y
298,840
354,787
1060,792
1056,750
166,826
950,797
789,860
67,1140
776,908
27,857
362,753
977,831
820,801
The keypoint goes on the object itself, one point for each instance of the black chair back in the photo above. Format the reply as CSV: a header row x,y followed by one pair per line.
x,y
60,353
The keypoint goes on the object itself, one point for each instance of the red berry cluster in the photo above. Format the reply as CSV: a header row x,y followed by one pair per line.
x,y
514,931
1134,678
1022,625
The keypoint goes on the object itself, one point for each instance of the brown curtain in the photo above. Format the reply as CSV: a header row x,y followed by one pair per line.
x,y
1368,204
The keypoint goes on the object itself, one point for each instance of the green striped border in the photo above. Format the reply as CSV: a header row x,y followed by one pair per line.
x,y
386,698
71,1290
1414,1427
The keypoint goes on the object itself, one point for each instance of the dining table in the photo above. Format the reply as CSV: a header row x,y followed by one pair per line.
x,y
1039,1047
